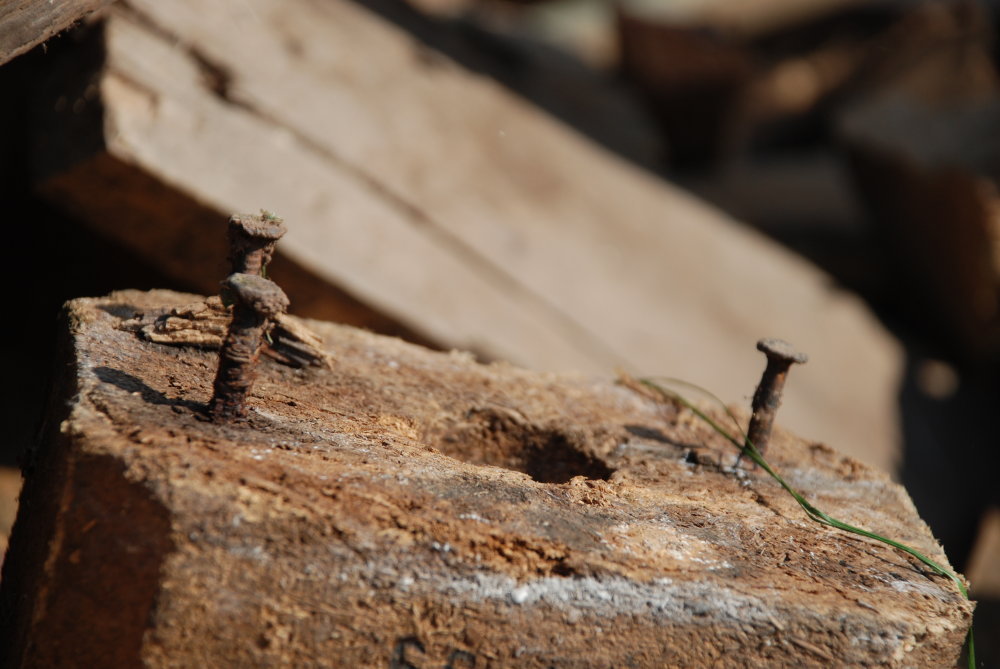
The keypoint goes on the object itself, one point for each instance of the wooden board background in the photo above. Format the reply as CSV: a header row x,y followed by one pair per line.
x,y
433,198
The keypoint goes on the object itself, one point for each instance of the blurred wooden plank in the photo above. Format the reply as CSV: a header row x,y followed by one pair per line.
x,y
437,200
28,23
721,76
10,488
742,19
927,170
984,565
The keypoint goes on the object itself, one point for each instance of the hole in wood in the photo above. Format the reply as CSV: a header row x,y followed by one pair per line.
x,y
503,439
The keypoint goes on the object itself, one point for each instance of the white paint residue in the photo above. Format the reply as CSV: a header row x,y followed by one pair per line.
x,y
256,553
662,538
520,595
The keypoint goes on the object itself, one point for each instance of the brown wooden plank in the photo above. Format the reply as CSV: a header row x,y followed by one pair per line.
x,y
27,23
930,182
414,508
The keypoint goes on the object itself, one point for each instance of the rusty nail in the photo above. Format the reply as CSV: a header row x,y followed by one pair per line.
x,y
767,398
251,241
255,301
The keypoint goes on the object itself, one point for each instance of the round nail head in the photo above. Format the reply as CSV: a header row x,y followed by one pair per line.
x,y
265,226
260,294
781,350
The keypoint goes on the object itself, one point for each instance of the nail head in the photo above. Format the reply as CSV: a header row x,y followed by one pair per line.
x,y
781,350
265,226
260,294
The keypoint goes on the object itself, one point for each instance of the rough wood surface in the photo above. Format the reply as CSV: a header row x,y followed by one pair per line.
x,y
27,23
412,508
420,194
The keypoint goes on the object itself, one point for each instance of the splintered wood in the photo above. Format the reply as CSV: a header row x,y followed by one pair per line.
x,y
204,323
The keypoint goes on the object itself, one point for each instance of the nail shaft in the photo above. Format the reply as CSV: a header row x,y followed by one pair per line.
x,y
767,398
255,301
252,239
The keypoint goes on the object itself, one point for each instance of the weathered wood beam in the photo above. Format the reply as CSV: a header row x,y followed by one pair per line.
x,y
411,508
27,23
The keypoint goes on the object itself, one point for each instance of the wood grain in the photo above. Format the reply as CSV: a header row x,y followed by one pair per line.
x,y
27,23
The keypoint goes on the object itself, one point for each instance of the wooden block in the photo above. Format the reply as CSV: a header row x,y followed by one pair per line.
x,y
24,25
984,565
419,194
10,487
743,21
721,75
413,508
929,178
